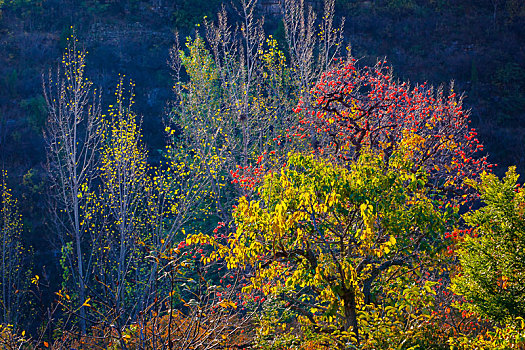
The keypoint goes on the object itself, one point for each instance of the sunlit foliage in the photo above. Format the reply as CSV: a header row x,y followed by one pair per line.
x,y
352,108
320,236
302,202
491,277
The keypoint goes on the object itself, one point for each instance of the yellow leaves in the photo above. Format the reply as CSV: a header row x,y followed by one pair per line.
x,y
386,247
350,274
331,200
368,221
306,197
280,208
504,282
300,233
35,279
428,287
86,303
392,241
65,295
365,208
449,145
412,142
169,131
228,304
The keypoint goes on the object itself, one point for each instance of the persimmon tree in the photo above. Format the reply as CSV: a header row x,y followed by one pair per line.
x,y
319,235
351,109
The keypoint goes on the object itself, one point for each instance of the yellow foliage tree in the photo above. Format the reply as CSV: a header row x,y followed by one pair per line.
x,y
12,272
319,236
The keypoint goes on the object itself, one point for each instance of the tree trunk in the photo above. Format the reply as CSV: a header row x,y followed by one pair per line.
x,y
350,314
82,291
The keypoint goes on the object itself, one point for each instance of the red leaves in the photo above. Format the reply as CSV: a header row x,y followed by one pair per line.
x,y
248,176
350,109
457,236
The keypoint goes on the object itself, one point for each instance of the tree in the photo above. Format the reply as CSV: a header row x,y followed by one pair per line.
x,y
125,207
351,109
491,256
12,267
239,93
74,132
311,52
319,235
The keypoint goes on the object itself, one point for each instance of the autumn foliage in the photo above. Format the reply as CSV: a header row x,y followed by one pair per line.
x,y
301,202
351,109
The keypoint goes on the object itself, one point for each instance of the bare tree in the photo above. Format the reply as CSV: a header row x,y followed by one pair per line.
x,y
73,136
240,91
236,100
311,51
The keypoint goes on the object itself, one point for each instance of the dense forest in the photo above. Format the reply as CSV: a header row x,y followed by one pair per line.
x,y
260,174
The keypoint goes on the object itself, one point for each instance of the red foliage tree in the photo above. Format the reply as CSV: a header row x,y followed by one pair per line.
x,y
351,108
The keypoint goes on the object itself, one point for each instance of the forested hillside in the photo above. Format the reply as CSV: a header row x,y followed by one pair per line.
x,y
262,174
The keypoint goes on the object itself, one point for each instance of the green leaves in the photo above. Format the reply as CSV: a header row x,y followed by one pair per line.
x,y
491,257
